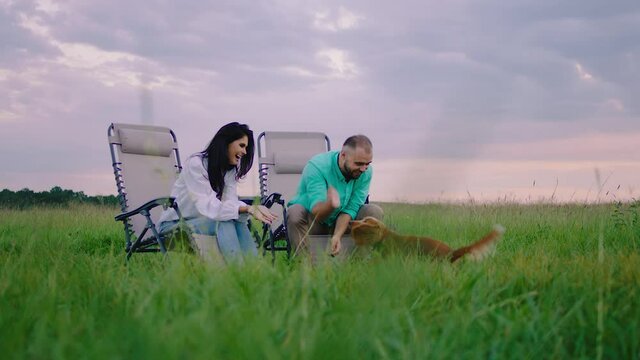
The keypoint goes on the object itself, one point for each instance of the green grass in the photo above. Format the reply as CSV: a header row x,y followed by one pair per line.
x,y
564,283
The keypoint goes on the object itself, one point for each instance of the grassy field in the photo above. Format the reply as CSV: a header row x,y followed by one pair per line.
x,y
564,283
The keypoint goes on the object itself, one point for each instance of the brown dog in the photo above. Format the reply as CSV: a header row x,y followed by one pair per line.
x,y
370,230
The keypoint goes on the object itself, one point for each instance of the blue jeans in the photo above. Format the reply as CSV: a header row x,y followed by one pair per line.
x,y
234,237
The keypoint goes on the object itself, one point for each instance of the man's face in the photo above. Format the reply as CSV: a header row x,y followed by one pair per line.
x,y
355,162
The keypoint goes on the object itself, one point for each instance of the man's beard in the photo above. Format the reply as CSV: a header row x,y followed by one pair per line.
x,y
349,174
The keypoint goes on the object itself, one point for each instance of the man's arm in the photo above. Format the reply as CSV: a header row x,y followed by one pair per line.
x,y
323,209
350,211
321,198
342,223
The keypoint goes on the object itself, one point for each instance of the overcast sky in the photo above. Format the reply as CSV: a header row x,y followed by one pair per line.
x,y
488,99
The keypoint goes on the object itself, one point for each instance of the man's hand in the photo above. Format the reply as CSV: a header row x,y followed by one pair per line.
x,y
323,209
336,245
333,197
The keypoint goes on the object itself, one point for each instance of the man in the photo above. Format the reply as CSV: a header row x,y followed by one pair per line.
x,y
332,191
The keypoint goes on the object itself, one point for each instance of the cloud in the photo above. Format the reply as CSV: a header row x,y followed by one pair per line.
x,y
435,80
338,62
574,147
47,6
340,20
583,74
615,105
6,115
528,181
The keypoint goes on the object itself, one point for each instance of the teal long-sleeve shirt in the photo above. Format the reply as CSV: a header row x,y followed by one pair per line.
x,y
321,172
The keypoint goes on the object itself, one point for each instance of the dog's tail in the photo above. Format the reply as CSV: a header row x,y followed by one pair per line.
x,y
481,248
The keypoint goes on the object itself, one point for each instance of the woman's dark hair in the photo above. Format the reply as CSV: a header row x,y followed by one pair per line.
x,y
218,157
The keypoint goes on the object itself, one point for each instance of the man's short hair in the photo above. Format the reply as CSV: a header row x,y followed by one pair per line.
x,y
358,141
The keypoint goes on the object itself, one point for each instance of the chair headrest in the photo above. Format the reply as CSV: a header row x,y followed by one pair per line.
x,y
143,142
285,163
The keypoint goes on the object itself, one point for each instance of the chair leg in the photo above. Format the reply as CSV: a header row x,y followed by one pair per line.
x,y
129,253
136,244
286,231
151,225
287,242
273,247
265,239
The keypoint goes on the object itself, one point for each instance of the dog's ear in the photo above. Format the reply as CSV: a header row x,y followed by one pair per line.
x,y
372,221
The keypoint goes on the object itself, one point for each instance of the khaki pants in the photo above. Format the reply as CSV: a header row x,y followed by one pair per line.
x,y
300,224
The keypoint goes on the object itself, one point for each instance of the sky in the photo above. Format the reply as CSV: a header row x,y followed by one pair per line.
x,y
522,100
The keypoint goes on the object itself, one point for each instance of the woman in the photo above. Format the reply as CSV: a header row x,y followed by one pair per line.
x,y
206,192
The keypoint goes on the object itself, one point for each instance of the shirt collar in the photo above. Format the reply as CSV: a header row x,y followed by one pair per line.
x,y
336,166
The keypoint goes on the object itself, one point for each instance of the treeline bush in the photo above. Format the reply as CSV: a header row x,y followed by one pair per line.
x,y
57,196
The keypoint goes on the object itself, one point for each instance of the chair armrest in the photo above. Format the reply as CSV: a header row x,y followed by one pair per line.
x,y
164,201
273,198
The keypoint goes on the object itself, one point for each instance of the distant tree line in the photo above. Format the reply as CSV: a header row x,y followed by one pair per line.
x,y
57,196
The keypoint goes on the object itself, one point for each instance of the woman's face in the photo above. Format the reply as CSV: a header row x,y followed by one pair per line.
x,y
236,150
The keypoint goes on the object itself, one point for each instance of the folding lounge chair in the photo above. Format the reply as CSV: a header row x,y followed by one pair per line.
x,y
280,165
146,163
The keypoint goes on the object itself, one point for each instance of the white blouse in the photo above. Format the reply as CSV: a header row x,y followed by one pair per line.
x,y
195,197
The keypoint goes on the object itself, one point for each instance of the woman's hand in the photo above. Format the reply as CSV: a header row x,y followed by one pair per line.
x,y
262,213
